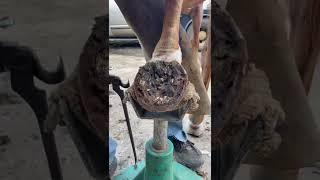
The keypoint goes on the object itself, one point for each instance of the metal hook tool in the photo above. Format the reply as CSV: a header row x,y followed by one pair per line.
x,y
116,84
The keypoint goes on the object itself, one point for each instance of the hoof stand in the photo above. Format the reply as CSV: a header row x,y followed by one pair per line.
x,y
158,166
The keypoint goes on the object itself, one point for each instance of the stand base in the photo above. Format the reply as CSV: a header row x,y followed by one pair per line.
x,y
158,166
180,172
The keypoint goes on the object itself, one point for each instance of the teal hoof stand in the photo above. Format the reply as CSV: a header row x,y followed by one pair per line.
x,y
158,166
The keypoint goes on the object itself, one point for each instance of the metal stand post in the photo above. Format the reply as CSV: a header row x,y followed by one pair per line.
x,y
160,135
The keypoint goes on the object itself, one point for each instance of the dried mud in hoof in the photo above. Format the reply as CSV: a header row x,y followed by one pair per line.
x,y
160,86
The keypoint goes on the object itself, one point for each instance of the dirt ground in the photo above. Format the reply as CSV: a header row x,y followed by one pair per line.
x,y
125,61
